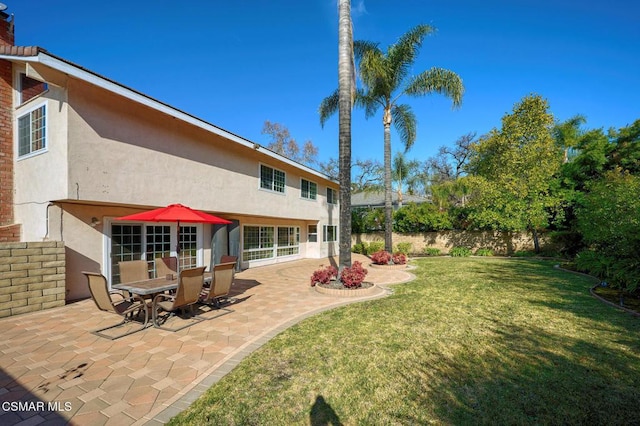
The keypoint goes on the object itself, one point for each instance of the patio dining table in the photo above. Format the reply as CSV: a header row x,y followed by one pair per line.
x,y
149,287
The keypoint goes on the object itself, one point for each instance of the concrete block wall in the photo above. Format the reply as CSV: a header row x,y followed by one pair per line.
x,y
502,243
32,277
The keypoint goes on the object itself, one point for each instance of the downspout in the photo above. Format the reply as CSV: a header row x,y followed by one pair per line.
x,y
46,235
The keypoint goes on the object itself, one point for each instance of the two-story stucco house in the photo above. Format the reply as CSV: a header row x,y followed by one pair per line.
x,y
78,150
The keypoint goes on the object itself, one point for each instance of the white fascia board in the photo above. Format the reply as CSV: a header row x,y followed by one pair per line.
x,y
113,87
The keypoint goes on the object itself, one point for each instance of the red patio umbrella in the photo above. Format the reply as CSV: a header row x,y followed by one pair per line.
x,y
175,213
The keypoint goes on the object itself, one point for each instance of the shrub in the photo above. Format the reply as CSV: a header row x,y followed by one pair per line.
x,y
399,258
424,217
568,242
524,253
360,248
404,248
608,220
354,276
323,276
374,246
381,257
484,252
593,263
460,252
432,251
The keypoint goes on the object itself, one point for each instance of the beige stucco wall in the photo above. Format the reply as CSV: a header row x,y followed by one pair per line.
x,y
42,177
502,243
108,157
120,152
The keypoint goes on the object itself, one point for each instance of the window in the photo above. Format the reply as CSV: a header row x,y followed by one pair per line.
x,y
268,242
258,242
126,244
332,196
188,247
330,233
32,132
312,233
271,179
142,241
288,240
308,190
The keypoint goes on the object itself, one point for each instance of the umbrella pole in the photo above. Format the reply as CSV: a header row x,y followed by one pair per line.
x,y
178,250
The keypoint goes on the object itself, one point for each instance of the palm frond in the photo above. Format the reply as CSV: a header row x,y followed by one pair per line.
x,y
365,99
328,107
437,80
360,47
405,123
402,55
372,69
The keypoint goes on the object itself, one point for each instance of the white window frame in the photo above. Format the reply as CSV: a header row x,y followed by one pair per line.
x,y
275,246
325,234
260,248
311,196
28,113
273,180
108,241
292,231
334,196
312,234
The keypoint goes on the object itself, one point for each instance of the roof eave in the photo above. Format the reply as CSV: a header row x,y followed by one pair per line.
x,y
90,77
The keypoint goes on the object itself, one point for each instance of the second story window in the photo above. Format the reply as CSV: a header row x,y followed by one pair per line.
x,y
272,179
32,131
332,196
308,190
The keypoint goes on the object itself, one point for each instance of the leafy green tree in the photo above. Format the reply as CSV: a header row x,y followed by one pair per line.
x,y
423,217
386,77
591,161
609,220
367,219
626,151
514,168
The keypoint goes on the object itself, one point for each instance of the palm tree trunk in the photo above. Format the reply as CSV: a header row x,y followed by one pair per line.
x,y
388,207
345,73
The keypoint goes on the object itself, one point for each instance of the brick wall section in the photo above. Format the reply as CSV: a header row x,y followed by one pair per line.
x,y
7,38
10,233
32,277
6,145
30,88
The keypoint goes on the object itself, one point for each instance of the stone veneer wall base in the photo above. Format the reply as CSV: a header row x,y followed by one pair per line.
x,y
32,277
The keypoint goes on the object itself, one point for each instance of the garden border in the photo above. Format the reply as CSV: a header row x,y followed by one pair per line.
x,y
593,293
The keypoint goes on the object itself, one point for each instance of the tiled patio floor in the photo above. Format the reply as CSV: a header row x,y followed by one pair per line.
x,y
53,371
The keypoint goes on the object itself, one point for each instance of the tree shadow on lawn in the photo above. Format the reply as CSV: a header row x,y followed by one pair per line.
x,y
529,375
576,363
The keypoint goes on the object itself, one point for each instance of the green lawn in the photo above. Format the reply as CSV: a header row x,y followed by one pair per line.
x,y
470,341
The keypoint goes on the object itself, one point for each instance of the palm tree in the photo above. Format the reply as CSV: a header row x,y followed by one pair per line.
x,y
346,87
404,172
568,133
386,77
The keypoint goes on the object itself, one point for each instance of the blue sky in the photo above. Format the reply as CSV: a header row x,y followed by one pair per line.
x,y
238,63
